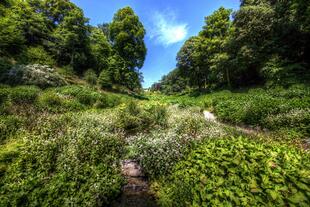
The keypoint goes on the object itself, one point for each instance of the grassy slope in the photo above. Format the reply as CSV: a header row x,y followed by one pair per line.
x,y
277,109
88,131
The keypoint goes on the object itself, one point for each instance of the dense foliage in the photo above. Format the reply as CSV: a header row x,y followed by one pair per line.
x,y
239,172
56,33
263,42
68,160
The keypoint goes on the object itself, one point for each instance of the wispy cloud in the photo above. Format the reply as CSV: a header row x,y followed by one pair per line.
x,y
166,30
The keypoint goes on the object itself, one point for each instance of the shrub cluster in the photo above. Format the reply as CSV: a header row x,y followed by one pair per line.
x,y
8,153
5,65
11,98
36,55
134,118
239,172
271,109
74,98
69,160
90,77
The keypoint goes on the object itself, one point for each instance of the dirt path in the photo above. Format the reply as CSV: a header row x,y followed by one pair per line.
x,y
136,192
246,130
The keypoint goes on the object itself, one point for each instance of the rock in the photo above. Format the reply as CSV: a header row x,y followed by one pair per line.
x,y
209,116
136,192
131,168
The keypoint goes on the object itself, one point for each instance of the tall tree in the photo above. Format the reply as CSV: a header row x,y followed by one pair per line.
x,y
204,58
192,61
217,31
127,37
100,49
126,34
70,40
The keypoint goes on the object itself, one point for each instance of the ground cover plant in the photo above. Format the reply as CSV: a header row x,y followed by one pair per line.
x,y
239,172
68,160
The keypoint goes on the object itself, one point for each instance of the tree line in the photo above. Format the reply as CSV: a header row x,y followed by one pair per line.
x,y
56,33
264,42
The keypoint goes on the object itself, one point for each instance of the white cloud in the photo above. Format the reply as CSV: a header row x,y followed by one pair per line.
x,y
166,30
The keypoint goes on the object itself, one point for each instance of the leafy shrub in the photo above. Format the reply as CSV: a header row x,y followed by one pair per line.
x,y
91,77
280,72
3,94
23,94
8,153
272,109
9,126
239,172
74,97
158,113
133,118
191,126
68,161
84,95
158,151
36,55
55,102
294,119
39,75
104,80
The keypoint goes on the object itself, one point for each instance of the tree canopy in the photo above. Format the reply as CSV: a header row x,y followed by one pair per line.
x,y
58,31
264,42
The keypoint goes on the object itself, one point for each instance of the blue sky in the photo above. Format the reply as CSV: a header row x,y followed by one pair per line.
x,y
168,24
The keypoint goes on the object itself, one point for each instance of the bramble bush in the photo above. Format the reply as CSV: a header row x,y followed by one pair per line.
x,y
239,172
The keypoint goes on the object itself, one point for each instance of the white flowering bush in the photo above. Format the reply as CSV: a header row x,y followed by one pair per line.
x,y
159,150
40,75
